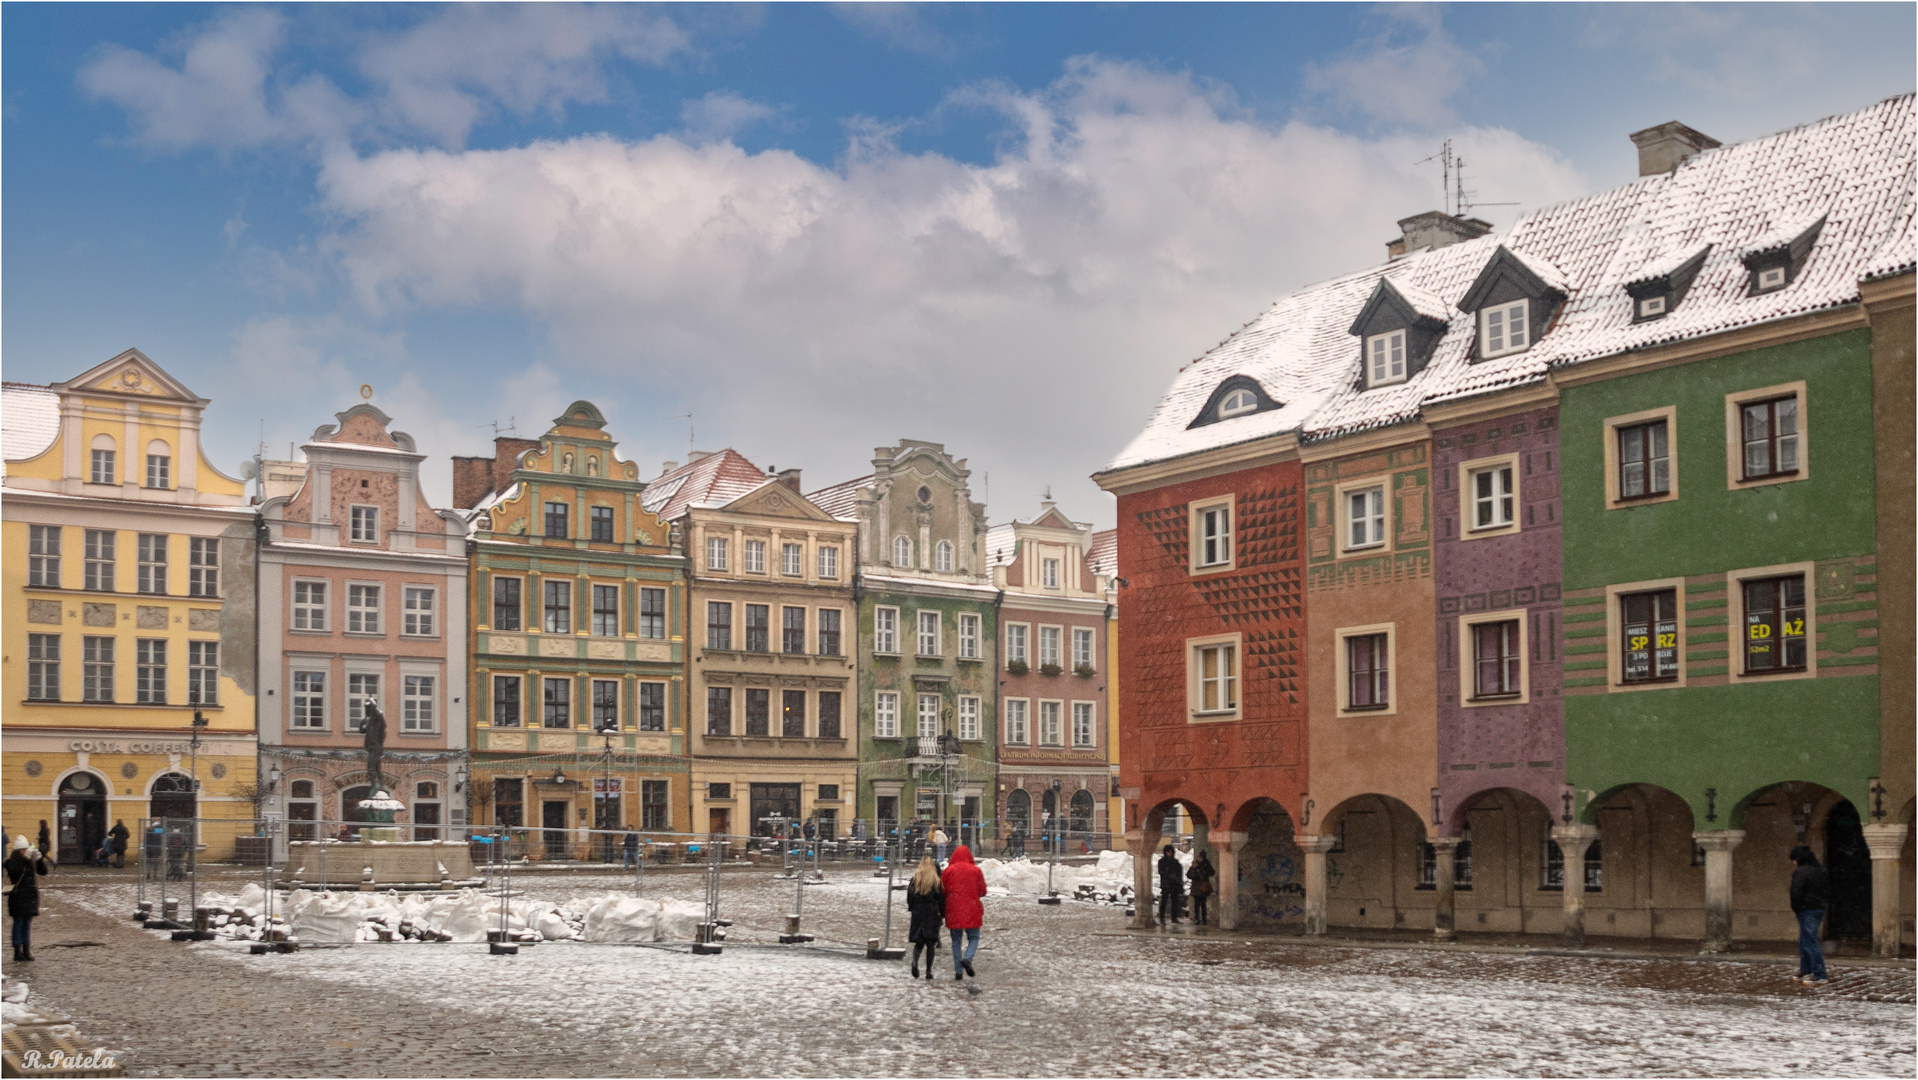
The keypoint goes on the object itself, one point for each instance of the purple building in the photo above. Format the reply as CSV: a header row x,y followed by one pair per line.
x,y
1501,712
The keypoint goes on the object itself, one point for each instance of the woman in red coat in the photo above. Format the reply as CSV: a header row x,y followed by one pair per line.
x,y
965,888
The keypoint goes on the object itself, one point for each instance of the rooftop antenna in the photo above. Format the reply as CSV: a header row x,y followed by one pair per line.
x,y
690,437
1446,165
1455,197
512,423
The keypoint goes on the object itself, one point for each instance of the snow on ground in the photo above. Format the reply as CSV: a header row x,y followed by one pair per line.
x,y
1064,992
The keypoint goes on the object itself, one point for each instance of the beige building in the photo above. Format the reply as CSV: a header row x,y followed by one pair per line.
x,y
772,632
128,611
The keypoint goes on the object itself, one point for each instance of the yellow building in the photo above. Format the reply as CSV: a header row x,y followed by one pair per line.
x,y
1103,558
129,611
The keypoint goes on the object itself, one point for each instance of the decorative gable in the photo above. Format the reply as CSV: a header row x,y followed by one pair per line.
x,y
1773,260
1660,286
1509,278
1238,395
131,372
1392,308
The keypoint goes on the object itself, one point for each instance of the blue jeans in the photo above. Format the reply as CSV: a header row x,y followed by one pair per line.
x,y
23,926
1811,955
631,859
959,957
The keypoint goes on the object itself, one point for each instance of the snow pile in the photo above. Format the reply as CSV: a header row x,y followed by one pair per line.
x,y
15,1010
624,918
1108,880
467,916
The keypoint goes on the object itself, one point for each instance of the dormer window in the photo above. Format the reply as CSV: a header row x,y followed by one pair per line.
x,y
1775,259
1504,329
1651,307
1660,285
1385,358
1238,403
1770,278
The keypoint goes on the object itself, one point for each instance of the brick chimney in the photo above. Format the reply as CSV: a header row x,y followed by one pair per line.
x,y
790,478
1434,229
474,478
1663,148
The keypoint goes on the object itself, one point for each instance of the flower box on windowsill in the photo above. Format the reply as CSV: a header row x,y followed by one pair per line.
x,y
1084,671
1050,669
1017,667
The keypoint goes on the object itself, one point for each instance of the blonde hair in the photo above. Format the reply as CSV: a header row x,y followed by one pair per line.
x,y
926,878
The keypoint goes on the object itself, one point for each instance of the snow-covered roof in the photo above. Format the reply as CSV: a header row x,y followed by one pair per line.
x,y
1002,545
1855,171
712,481
1103,552
29,421
841,500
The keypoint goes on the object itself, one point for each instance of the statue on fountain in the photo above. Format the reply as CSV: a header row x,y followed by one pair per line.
x,y
373,734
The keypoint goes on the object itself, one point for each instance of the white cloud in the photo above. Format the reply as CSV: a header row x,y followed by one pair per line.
x,y
721,114
900,26
1031,308
1407,74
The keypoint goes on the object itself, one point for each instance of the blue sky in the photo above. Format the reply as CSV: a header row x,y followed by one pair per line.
x,y
817,229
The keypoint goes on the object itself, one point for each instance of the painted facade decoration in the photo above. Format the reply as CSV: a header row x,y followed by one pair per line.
x,y
771,729
578,637
928,656
363,600
129,613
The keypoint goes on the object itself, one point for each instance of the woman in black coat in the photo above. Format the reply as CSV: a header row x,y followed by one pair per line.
x,y
926,900
25,867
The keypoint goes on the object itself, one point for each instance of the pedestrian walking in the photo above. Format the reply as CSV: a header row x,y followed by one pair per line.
x,y
1171,887
1810,896
939,842
926,900
46,838
25,867
119,835
1200,876
631,857
965,889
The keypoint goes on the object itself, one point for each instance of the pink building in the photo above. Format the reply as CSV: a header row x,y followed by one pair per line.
x,y
362,593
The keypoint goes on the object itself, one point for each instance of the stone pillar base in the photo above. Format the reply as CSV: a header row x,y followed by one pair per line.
x,y
1718,886
1315,849
1887,844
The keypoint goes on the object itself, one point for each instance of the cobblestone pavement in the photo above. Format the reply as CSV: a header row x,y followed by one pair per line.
x,y
1063,991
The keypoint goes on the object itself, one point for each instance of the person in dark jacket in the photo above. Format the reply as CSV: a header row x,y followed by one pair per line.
x,y
119,835
46,838
965,887
1810,893
25,867
926,900
1171,886
1200,876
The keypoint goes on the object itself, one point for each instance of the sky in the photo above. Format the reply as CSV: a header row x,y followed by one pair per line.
x,y
812,229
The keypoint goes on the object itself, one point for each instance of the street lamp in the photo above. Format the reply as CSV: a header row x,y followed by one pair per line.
x,y
606,729
1052,895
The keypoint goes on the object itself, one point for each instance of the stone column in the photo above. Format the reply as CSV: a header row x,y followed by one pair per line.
x,y
1887,844
1718,886
1315,848
1145,843
1226,900
1572,841
1444,918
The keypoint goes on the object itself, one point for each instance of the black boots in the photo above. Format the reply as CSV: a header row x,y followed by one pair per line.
x,y
915,967
21,953
967,964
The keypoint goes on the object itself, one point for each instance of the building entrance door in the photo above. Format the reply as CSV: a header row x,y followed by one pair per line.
x,y
552,818
82,817
1848,862
719,821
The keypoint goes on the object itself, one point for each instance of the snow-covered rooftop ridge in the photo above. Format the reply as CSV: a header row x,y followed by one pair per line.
x,y
1425,303
29,421
1855,171
841,500
712,481
1782,234
1103,552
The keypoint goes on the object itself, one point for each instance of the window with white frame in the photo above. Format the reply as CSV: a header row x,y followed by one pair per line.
x,y
885,630
99,560
203,566
1504,329
1238,403
361,688
902,551
418,615
309,605
1018,718
929,644
928,716
159,471
1049,646
968,637
417,709
942,557
149,671
96,668
152,564
885,714
365,525
1082,713
1081,647
43,667
792,559
1049,723
202,673
1497,656
715,553
754,561
104,470
829,563
43,555
309,700
362,609
1492,496
1049,573
968,718
1212,539
1384,358
1216,666
1016,652
1365,518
